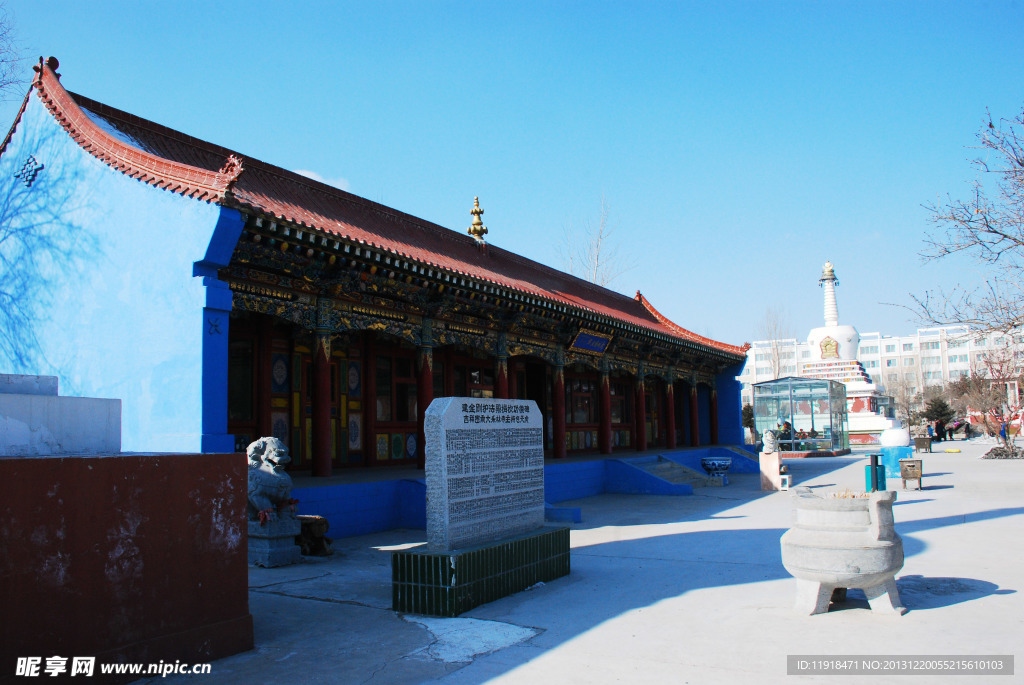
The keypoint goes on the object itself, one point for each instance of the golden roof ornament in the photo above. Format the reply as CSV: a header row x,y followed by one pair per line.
x,y
477,230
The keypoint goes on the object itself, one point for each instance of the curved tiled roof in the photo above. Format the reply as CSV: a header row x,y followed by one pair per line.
x,y
173,161
689,335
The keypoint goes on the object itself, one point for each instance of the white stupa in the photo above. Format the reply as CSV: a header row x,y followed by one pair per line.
x,y
834,357
833,341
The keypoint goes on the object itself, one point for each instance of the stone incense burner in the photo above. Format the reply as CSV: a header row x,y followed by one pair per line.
x,y
838,543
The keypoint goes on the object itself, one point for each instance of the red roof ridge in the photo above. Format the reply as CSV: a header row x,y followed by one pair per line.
x,y
689,335
253,163
130,160
212,173
64,105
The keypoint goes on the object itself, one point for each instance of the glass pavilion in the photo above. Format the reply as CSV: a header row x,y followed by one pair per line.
x,y
808,414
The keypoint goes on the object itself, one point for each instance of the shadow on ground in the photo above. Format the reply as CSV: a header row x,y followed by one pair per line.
x,y
920,592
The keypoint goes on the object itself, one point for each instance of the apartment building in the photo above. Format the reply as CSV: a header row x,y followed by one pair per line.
x,y
929,357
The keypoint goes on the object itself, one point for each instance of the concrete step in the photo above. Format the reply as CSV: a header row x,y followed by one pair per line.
x,y
670,471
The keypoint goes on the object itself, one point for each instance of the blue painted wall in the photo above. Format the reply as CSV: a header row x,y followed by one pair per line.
x,y
119,306
730,409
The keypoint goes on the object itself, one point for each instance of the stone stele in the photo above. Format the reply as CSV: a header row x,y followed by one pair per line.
x,y
485,470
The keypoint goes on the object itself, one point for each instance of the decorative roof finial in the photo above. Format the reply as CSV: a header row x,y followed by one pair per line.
x,y
477,230
828,273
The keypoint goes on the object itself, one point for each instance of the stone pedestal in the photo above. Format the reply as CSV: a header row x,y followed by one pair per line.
x,y
36,421
451,583
273,543
771,464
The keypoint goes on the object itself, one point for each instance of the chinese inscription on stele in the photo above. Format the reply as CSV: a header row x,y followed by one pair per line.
x,y
485,470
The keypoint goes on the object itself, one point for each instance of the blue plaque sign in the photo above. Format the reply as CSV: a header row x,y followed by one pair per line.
x,y
590,341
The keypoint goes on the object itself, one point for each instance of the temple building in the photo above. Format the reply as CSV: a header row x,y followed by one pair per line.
x,y
223,298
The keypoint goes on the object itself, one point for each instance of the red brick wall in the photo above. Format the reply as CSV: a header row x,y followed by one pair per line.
x,y
126,558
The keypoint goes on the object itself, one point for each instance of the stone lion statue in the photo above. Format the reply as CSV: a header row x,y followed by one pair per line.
x,y
771,442
270,488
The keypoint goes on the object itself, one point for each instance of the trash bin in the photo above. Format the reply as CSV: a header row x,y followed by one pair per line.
x,y
879,474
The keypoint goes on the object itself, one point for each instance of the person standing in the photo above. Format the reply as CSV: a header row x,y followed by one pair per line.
x,y
940,430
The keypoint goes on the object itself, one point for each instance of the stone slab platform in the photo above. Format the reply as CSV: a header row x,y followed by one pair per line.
x,y
451,583
33,425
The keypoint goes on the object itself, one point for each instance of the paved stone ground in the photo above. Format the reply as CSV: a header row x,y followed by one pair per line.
x,y
667,590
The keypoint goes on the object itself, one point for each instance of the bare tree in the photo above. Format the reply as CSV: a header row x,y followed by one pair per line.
x,y
989,227
42,242
10,63
589,252
775,328
992,391
906,398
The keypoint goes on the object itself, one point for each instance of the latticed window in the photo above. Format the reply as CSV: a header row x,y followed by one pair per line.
x,y
620,402
580,400
396,389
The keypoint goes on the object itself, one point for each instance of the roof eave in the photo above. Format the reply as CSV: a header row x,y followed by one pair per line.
x,y
182,179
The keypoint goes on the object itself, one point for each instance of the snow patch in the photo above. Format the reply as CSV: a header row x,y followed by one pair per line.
x,y
458,640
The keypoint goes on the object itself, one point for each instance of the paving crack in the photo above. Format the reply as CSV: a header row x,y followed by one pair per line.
x,y
291,580
328,600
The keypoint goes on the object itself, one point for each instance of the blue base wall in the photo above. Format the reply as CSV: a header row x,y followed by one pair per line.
x,y
691,459
363,508
574,481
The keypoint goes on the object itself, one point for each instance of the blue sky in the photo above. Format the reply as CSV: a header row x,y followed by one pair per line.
x,y
738,145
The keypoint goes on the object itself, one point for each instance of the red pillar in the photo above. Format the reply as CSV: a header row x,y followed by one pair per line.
x,y
263,385
670,416
714,416
369,400
604,431
501,378
424,396
322,406
513,385
641,416
558,409
449,373
694,416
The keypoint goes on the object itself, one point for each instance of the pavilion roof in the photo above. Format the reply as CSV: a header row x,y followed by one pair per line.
x,y
174,161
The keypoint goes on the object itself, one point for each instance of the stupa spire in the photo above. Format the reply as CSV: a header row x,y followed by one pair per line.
x,y
828,281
